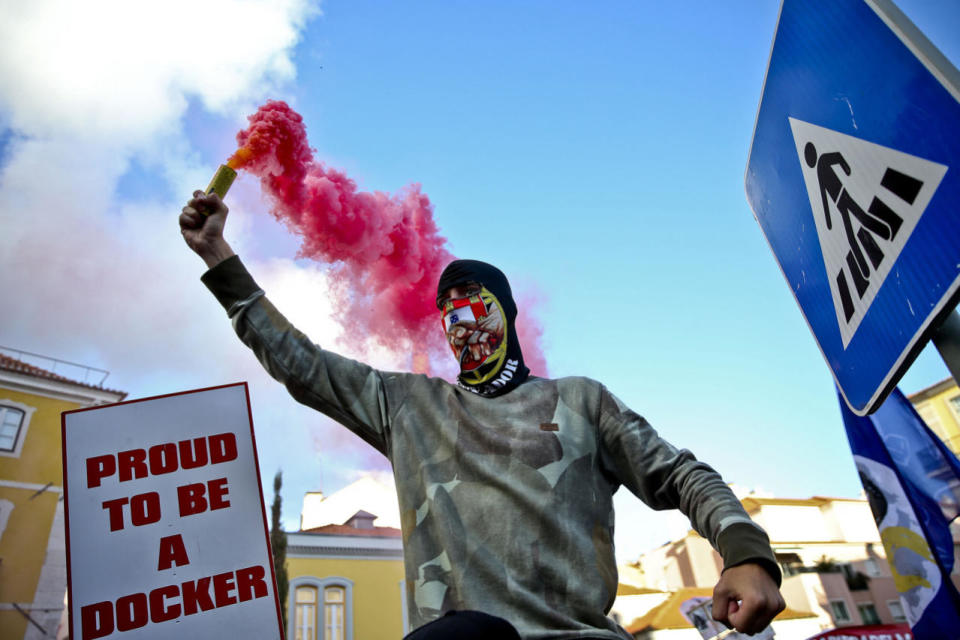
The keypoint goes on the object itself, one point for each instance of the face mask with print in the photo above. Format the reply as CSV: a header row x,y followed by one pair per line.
x,y
475,328
478,314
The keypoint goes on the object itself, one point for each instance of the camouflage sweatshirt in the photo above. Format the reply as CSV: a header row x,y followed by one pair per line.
x,y
506,503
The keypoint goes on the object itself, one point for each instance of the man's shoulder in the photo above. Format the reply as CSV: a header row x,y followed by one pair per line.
x,y
581,391
419,381
567,385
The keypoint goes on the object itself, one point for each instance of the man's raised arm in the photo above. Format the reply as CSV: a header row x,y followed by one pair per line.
x,y
350,392
201,224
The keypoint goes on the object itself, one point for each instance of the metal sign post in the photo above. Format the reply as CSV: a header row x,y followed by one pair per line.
x,y
947,341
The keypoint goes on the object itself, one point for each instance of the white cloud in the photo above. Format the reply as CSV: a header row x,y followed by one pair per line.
x,y
124,70
302,292
88,88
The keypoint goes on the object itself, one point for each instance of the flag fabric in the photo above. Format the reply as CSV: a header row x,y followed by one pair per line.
x,y
912,482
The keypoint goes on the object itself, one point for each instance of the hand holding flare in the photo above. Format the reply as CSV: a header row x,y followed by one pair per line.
x,y
202,220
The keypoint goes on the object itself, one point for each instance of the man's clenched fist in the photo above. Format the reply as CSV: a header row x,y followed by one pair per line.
x,y
201,224
746,598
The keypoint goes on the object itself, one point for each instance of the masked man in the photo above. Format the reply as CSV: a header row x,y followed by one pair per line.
x,y
505,480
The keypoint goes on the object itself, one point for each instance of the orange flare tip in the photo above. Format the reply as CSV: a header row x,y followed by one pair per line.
x,y
239,158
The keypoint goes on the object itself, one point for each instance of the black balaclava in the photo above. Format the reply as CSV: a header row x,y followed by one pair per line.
x,y
510,371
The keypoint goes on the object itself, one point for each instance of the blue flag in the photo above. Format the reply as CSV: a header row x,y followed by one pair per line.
x,y
912,481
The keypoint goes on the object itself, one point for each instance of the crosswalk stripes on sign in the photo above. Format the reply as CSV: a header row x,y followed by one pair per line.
x,y
866,200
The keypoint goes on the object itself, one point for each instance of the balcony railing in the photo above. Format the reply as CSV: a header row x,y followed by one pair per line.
x,y
72,370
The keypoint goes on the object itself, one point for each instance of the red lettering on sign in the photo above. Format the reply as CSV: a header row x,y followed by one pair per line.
x,y
196,596
172,552
115,509
132,464
136,610
222,586
98,468
251,583
132,612
195,456
145,508
96,620
163,458
159,612
190,497
223,448
193,497
218,489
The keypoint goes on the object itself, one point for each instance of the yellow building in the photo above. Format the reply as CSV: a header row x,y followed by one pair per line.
x,y
346,580
939,406
33,580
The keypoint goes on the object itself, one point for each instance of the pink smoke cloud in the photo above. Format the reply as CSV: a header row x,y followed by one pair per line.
x,y
386,249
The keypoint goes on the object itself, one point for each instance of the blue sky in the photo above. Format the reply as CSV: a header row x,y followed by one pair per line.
x,y
594,152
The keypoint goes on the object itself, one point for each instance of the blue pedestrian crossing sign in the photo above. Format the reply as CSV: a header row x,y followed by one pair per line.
x,y
854,178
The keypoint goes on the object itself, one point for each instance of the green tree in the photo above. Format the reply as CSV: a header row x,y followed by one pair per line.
x,y
826,565
278,545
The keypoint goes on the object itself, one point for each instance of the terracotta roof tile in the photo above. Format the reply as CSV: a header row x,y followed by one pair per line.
x,y
344,530
18,366
633,590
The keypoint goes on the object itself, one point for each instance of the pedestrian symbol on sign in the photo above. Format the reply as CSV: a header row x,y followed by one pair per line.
x,y
878,220
866,200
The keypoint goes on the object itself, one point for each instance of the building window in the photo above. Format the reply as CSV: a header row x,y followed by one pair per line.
x,y
14,422
839,610
333,618
321,608
11,421
856,580
6,508
896,610
929,415
868,613
306,613
955,404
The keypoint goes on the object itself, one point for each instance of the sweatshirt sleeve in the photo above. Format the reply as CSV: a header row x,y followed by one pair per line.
x,y
350,392
665,477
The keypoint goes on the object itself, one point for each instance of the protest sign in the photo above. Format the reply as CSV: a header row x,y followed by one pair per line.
x,y
166,528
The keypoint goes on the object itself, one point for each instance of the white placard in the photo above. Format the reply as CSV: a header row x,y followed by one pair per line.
x,y
166,528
